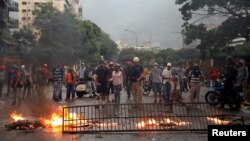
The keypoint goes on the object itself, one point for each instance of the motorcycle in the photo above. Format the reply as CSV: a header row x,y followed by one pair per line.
x,y
146,87
233,98
81,89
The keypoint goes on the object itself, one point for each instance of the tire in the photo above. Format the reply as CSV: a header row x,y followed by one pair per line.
x,y
79,94
146,89
234,102
212,98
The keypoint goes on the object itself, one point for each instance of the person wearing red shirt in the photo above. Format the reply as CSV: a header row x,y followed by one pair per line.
x,y
213,75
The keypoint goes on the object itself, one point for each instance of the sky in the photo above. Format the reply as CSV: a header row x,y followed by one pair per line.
x,y
160,18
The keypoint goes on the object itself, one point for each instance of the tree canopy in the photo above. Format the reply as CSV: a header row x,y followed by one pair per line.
x,y
235,15
62,38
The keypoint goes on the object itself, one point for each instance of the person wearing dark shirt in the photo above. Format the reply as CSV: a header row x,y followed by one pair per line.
x,y
127,80
58,80
230,74
101,81
135,77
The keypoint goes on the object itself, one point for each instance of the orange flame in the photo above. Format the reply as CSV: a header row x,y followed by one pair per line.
x,y
218,121
16,116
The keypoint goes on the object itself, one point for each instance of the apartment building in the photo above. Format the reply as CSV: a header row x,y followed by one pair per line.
x,y
26,8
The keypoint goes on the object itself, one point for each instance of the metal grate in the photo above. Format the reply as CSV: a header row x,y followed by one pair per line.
x,y
143,117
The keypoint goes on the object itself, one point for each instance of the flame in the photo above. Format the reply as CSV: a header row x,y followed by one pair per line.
x,y
16,116
218,121
153,122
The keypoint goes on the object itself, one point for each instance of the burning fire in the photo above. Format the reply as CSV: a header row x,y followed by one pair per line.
x,y
165,121
16,116
56,119
218,121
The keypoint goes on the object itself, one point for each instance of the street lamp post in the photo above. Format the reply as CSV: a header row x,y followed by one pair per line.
x,y
136,39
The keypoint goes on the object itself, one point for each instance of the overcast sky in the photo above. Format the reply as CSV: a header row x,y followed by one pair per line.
x,y
159,17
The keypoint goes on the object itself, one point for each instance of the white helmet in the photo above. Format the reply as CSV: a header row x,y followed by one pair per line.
x,y
169,64
136,59
22,67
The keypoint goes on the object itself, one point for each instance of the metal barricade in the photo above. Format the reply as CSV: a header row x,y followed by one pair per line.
x,y
142,117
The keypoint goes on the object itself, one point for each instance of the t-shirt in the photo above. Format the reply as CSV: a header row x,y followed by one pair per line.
x,y
102,75
117,78
58,75
166,75
136,72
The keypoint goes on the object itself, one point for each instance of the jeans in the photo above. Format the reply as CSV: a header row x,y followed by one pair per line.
x,y
128,84
166,92
117,91
70,91
57,93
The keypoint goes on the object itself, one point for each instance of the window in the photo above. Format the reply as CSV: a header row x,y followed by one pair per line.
x,y
24,2
28,18
28,10
24,10
23,18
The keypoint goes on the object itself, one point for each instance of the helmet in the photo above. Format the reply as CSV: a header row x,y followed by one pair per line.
x,y
82,63
169,64
117,65
45,65
242,61
22,67
155,64
136,59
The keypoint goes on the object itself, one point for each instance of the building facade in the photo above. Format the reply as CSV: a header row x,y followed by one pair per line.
x,y
26,8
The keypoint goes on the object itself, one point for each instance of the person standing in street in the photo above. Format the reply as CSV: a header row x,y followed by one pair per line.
x,y
70,82
136,77
156,78
101,82
213,75
196,78
58,82
117,83
81,71
166,74
127,80
242,77
111,97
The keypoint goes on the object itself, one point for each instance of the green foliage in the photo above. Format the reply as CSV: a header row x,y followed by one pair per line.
x,y
65,39
25,34
236,15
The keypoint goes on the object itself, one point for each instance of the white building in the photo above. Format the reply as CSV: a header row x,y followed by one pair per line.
x,y
27,7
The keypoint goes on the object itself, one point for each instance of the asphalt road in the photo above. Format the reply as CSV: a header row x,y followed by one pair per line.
x,y
35,108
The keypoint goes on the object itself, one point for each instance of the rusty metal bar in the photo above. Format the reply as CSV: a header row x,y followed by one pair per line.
x,y
142,117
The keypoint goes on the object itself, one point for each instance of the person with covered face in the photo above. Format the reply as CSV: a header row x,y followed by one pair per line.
x,y
156,78
166,74
196,78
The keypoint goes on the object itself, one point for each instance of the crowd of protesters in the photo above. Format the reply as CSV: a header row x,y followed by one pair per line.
x,y
107,80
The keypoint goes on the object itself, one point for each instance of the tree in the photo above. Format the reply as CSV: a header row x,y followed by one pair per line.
x,y
236,21
65,39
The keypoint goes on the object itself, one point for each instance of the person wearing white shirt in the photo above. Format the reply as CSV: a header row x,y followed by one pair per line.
x,y
166,74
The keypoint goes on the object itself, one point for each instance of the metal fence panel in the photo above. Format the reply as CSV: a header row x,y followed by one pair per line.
x,y
142,117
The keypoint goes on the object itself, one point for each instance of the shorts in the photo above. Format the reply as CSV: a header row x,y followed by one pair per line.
x,y
157,87
102,89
